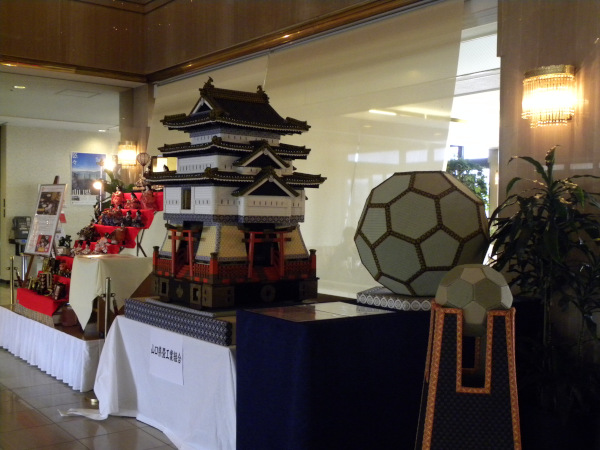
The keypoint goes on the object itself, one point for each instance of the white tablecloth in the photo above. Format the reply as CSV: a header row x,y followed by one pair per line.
x,y
201,414
88,280
61,355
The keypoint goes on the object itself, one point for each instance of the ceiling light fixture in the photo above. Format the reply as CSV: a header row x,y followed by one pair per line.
x,y
384,113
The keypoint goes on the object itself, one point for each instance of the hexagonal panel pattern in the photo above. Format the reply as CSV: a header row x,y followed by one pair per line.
x,y
416,226
413,214
374,224
476,289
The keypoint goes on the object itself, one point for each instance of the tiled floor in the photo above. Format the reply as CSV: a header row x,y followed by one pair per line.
x,y
30,401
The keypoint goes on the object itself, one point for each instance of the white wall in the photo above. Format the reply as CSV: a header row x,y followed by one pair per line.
x,y
34,156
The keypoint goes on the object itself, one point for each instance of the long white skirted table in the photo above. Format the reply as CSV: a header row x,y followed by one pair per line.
x,y
65,357
88,280
200,413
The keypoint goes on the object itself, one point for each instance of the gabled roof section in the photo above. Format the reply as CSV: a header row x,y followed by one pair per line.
x,y
215,176
218,145
259,186
214,146
210,176
263,156
300,180
237,108
292,151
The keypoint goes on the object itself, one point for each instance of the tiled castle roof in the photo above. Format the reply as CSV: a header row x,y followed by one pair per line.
x,y
235,108
217,145
214,176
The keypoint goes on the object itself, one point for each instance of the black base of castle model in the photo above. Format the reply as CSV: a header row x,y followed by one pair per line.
x,y
207,296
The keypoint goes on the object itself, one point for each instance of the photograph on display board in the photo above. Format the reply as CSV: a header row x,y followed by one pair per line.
x,y
45,222
43,243
85,169
48,203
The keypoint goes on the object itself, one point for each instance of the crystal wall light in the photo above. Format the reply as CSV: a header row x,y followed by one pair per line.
x,y
549,95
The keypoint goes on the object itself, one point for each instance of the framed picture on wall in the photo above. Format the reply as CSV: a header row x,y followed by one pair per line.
x,y
85,169
45,222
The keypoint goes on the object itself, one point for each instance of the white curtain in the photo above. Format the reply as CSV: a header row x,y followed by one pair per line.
x,y
404,64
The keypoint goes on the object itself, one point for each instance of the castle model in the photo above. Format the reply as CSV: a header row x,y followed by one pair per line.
x,y
233,205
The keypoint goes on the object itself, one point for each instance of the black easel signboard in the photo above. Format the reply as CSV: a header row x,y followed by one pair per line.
x,y
45,222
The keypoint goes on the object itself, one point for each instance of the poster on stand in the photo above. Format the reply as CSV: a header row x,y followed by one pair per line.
x,y
85,169
46,219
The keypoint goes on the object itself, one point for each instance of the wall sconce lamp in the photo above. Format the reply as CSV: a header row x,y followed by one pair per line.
x,y
549,95
127,152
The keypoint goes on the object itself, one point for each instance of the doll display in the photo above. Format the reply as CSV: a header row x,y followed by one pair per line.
x,y
148,200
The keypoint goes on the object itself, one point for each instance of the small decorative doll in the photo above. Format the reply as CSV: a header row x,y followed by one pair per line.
x,y
127,219
133,202
138,221
148,200
102,244
117,198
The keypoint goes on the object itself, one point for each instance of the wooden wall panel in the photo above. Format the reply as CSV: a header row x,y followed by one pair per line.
x,y
31,29
538,33
104,37
181,30
72,33
158,41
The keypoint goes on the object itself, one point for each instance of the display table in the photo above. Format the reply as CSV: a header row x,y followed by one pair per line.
x,y
325,376
88,280
40,303
45,304
65,357
198,415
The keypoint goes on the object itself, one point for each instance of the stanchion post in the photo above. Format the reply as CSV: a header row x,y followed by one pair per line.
x,y
12,280
107,296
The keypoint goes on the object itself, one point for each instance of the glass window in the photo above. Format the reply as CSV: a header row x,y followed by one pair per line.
x,y
380,98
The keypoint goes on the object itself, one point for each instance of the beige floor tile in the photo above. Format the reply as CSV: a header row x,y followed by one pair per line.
x,y
73,445
34,438
11,402
27,378
86,428
19,420
43,389
53,412
133,439
58,400
158,435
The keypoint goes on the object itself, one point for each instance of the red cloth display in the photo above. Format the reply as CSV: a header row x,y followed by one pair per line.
x,y
40,303
158,195
130,233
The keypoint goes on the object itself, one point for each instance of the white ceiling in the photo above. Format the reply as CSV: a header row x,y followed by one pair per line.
x,y
39,98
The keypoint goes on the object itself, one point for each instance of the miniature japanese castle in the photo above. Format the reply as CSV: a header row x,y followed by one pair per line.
x,y
233,205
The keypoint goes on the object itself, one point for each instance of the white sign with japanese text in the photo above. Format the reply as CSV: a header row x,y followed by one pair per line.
x,y
166,355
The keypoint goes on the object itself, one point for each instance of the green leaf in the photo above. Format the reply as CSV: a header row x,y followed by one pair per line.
x,y
511,183
538,167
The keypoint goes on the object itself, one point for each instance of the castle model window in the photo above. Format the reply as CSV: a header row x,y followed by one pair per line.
x,y
186,198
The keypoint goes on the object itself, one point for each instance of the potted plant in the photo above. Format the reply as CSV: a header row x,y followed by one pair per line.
x,y
546,239
471,175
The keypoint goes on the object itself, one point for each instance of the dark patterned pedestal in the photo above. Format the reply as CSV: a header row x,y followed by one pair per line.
x,y
467,408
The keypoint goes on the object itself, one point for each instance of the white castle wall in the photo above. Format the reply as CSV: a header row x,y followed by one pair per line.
x,y
230,135
217,200
199,164
267,206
